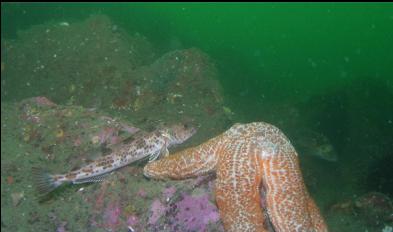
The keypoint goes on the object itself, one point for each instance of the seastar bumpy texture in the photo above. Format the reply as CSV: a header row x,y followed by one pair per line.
x,y
249,158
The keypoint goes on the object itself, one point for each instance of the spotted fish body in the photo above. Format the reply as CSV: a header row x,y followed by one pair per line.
x,y
151,145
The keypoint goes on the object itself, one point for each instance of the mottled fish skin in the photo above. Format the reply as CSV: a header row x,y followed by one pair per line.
x,y
151,145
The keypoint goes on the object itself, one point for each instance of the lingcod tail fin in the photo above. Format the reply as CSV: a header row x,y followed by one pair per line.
x,y
43,181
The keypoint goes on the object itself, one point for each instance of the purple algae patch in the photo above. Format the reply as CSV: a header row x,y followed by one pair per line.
x,y
195,213
157,209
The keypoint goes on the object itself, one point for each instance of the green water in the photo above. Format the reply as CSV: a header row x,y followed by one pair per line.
x,y
279,50
265,51
332,61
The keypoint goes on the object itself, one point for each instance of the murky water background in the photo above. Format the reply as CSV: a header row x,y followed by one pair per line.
x,y
321,72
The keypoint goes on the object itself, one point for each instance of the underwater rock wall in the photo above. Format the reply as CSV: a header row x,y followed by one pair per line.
x,y
96,64
69,88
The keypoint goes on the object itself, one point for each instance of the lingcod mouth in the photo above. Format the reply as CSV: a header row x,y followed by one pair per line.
x,y
193,130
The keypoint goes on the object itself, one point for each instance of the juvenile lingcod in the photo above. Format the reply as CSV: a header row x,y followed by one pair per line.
x,y
151,145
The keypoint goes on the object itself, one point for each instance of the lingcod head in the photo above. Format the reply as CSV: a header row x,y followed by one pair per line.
x,y
178,133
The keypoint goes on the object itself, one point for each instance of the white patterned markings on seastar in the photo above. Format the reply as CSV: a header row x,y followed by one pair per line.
x,y
249,158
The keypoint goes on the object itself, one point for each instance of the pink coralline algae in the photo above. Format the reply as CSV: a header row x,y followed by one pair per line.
x,y
115,140
157,209
77,142
168,193
110,135
43,101
194,213
111,216
129,128
142,193
184,213
106,134
132,221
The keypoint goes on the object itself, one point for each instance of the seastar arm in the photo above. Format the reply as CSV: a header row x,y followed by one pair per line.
x,y
316,217
289,205
239,175
187,163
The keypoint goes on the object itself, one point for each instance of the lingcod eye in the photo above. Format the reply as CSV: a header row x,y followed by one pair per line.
x,y
185,126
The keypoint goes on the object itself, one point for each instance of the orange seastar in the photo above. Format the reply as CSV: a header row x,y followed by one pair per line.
x,y
249,158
